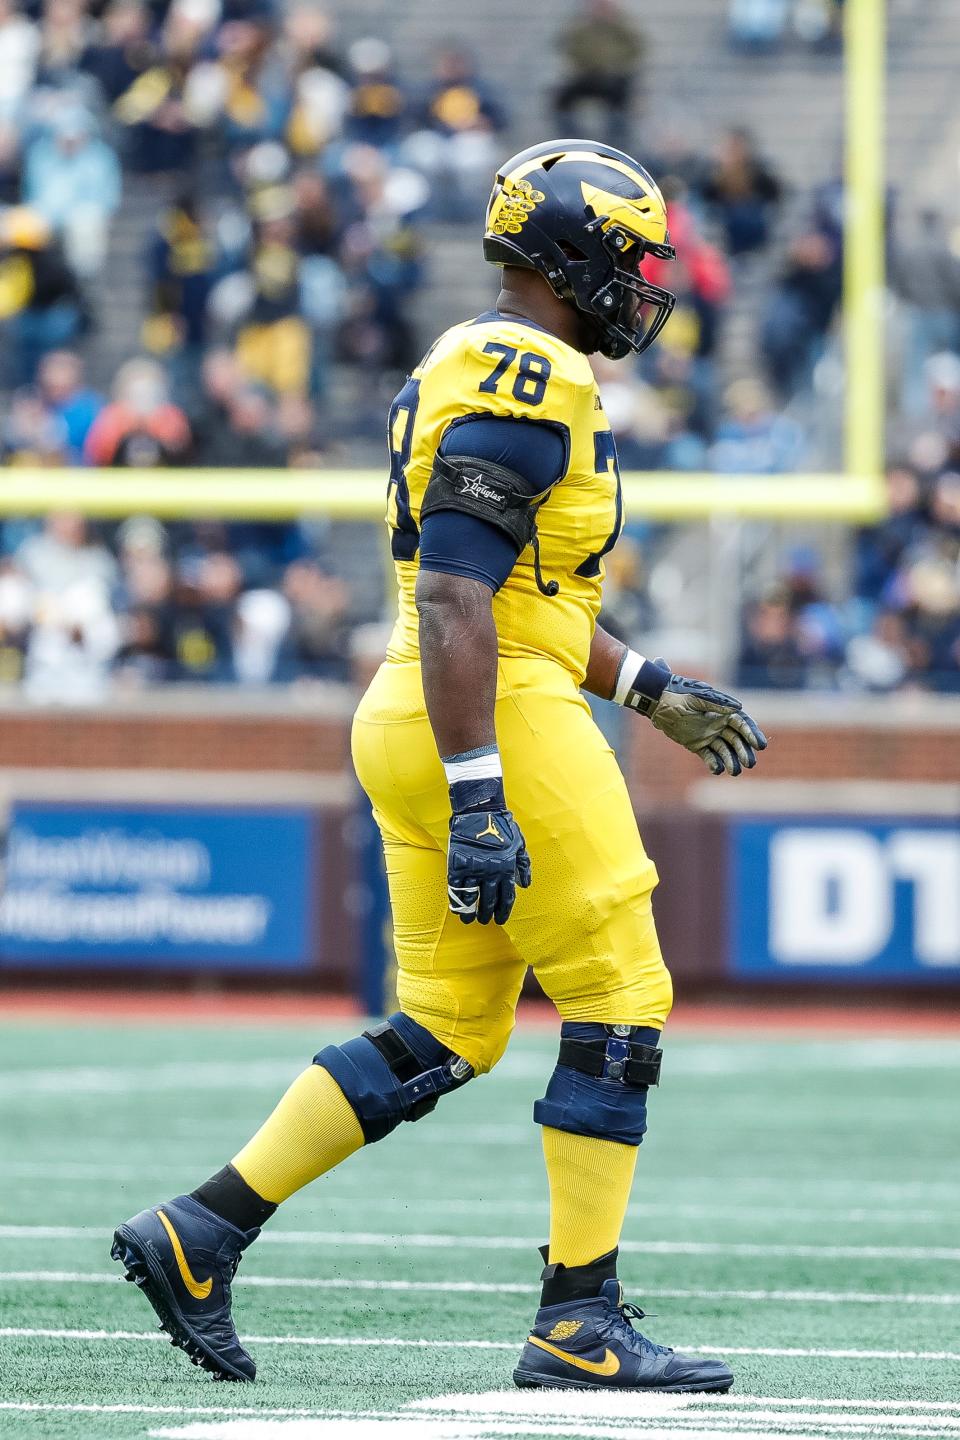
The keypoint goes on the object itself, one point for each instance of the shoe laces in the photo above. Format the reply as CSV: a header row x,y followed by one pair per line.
x,y
627,1313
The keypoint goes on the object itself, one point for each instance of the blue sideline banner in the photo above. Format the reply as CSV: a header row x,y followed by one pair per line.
x,y
159,886
850,899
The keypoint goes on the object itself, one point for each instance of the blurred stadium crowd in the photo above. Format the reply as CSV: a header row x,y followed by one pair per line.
x,y
299,177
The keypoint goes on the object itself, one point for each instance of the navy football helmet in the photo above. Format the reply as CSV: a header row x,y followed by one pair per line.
x,y
584,216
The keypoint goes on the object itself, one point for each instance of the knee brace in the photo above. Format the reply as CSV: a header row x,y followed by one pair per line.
x,y
599,1086
396,1071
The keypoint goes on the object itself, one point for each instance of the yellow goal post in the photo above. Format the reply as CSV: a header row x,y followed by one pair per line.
x,y
855,495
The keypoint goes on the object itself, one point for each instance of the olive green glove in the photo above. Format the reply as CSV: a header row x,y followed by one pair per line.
x,y
705,721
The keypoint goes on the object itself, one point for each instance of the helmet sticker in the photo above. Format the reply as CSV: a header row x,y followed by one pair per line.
x,y
513,205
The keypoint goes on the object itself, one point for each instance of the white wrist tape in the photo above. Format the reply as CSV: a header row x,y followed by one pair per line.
x,y
628,672
485,766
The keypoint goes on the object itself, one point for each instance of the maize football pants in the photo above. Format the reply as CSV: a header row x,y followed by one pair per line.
x,y
585,925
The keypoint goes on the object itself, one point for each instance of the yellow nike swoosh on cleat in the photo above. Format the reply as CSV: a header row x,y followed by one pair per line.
x,y
609,1365
199,1289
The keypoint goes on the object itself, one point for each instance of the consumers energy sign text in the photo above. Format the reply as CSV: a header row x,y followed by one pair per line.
x,y
231,888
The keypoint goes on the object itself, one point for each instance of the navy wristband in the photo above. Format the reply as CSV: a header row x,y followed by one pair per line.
x,y
468,796
647,686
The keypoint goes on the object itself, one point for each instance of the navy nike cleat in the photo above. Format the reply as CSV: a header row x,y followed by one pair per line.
x,y
183,1257
592,1345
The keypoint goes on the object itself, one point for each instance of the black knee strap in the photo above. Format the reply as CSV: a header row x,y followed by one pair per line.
x,y
616,1058
419,1089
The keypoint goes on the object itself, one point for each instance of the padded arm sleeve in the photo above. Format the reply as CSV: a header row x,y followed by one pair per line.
x,y
458,543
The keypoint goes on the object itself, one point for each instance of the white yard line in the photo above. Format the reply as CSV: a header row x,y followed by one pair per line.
x,y
482,1402
421,1241
403,1426
396,1342
483,1287
63,1408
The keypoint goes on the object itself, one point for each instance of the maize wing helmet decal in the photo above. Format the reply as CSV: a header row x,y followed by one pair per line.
x,y
584,216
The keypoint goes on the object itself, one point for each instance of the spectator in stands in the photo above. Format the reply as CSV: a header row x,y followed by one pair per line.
x,y
881,658
939,423
454,144
753,438
162,112
221,380
381,254
770,656
68,400
41,308
146,652
652,417
261,626
879,548
141,427
819,23
274,342
925,273
681,168
65,33
799,311
245,91
926,592
318,630
10,165
16,617
317,79
604,54
64,554
30,434
700,276
122,51
71,648
628,611
323,289
757,26
378,106
74,631
19,46
246,438
318,225
72,179
205,597
310,41
743,192
181,266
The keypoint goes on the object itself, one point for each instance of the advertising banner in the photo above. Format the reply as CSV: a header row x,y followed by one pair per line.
x,y
226,889
832,898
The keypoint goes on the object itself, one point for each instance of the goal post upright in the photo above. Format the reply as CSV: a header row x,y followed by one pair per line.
x,y
865,32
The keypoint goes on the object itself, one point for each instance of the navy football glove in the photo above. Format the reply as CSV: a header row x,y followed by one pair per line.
x,y
486,857
705,721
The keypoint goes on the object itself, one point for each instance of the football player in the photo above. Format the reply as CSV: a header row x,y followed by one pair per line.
x,y
509,835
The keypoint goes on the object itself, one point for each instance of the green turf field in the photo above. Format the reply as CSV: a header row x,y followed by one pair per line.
x,y
796,1209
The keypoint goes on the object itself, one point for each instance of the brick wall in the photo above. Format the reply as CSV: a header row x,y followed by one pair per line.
x,y
909,739
155,737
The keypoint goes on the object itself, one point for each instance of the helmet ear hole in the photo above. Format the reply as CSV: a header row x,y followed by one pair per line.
x,y
571,251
